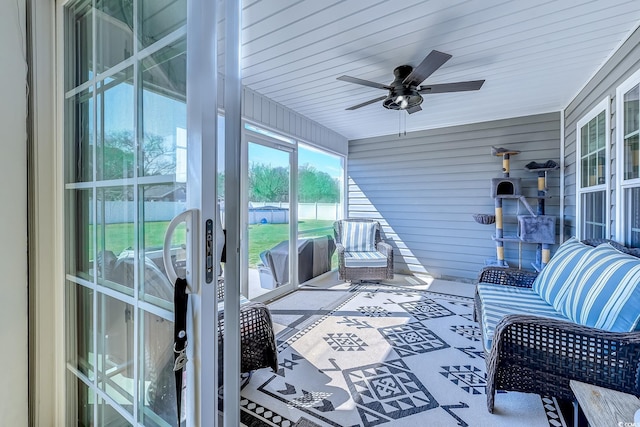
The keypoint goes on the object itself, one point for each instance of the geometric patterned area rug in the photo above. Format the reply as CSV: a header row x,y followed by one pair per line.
x,y
387,356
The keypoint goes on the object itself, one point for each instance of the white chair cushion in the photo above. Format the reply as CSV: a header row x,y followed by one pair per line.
x,y
359,236
365,259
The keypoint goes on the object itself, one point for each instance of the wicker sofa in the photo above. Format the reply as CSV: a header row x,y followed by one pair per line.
x,y
579,319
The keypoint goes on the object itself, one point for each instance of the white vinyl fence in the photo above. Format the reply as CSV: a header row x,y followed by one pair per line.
x,y
115,212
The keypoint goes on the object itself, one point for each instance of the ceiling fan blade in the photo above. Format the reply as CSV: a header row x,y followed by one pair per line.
x,y
363,82
452,87
371,101
429,64
414,109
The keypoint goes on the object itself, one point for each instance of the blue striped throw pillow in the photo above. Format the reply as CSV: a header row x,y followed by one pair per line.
x,y
607,293
560,274
359,236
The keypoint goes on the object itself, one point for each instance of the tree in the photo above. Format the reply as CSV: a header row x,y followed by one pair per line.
x,y
315,186
268,184
116,159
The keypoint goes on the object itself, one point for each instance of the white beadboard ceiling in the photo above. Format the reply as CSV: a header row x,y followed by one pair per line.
x,y
535,55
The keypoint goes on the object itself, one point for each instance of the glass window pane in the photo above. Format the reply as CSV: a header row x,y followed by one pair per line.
x,y
158,399
600,167
164,112
78,40
158,18
593,215
631,156
115,235
592,136
585,172
160,204
114,32
79,133
115,349
79,320
79,233
592,170
116,138
601,131
632,208
320,178
269,185
631,111
584,139
593,151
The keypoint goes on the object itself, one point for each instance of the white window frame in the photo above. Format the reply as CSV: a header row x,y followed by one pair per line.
x,y
622,184
604,105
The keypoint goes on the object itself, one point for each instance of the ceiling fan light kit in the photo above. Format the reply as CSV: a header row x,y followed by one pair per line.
x,y
405,92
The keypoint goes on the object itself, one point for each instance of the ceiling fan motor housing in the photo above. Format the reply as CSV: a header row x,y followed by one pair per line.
x,y
402,97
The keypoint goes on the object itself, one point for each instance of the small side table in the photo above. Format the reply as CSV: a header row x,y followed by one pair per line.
x,y
604,407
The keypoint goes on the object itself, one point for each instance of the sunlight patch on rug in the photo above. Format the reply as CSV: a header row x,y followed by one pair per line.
x,y
388,356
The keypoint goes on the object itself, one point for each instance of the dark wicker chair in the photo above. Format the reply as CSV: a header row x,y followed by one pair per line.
x,y
541,355
360,273
257,338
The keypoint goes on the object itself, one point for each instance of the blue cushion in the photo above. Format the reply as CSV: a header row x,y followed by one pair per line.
x,y
560,274
359,236
499,301
607,292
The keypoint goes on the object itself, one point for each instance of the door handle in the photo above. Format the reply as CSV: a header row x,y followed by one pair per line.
x,y
190,218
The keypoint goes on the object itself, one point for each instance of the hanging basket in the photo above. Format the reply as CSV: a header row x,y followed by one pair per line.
x,y
484,218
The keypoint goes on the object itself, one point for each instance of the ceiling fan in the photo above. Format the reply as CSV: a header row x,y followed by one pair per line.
x,y
405,92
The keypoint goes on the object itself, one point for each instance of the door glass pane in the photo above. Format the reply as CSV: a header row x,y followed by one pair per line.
x,y
161,203
269,183
79,133
79,321
164,111
320,185
115,349
159,18
114,32
116,137
158,396
79,233
115,235
79,394
78,39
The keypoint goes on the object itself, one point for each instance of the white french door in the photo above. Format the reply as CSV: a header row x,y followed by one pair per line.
x,y
138,95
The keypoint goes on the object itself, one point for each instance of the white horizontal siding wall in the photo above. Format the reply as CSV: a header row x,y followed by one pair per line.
x,y
260,109
622,64
425,186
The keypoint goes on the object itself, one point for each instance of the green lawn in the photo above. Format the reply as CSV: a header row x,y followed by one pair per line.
x,y
266,236
119,237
